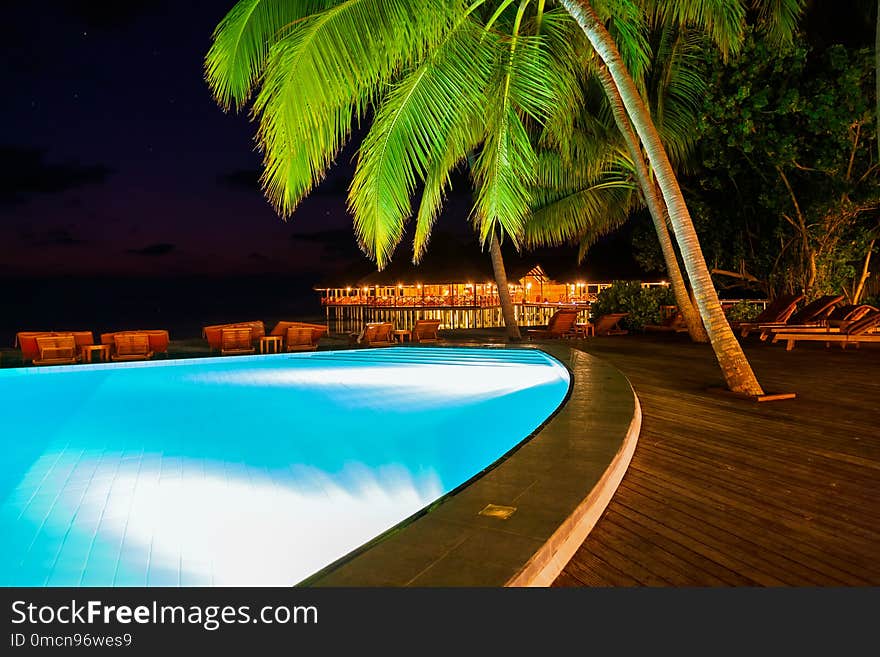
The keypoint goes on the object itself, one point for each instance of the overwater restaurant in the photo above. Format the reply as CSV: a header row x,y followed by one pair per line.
x,y
467,298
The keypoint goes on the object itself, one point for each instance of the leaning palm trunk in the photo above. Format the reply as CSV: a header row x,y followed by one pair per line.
x,y
735,368
683,298
510,325
656,207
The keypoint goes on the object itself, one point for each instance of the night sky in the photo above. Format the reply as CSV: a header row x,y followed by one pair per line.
x,y
114,159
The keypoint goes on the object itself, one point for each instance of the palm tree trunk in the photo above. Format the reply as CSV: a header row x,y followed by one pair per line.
x,y
656,207
512,328
860,286
736,370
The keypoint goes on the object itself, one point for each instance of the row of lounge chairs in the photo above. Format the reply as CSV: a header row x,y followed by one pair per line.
x,y
564,324
383,334
821,320
71,347
245,337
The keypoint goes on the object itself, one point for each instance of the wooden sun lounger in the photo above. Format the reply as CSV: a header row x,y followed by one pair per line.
x,y
673,323
609,324
844,315
236,341
317,332
300,338
777,311
56,350
375,334
27,341
131,346
839,319
561,325
158,338
426,330
814,313
213,334
855,333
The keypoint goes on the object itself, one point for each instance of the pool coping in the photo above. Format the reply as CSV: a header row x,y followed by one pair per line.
x,y
559,481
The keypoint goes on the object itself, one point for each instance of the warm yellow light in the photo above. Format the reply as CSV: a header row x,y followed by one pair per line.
x,y
366,289
419,285
400,285
528,286
348,289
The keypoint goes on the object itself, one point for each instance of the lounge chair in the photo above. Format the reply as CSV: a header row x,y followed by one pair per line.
x,y
317,331
213,334
862,330
56,350
844,315
300,338
236,341
840,318
609,324
131,346
159,339
374,334
674,322
561,325
777,312
812,314
426,330
27,341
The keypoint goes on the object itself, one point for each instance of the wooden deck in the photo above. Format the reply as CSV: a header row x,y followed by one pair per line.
x,y
726,492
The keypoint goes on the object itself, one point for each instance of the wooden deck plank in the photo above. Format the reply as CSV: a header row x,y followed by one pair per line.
x,y
812,562
789,507
726,492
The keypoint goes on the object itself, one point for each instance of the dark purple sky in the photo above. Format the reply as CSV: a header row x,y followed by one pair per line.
x,y
115,158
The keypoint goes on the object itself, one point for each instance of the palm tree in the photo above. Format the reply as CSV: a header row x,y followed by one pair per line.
x,y
321,64
448,83
725,26
582,207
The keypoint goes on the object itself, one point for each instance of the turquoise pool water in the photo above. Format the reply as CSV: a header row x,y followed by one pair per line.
x,y
256,470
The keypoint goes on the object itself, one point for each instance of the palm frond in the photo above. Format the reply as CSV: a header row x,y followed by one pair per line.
x,y
241,45
626,22
722,20
676,89
581,215
779,18
424,127
504,175
324,73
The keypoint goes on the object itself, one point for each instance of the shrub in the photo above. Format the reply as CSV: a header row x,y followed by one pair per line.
x,y
743,311
644,305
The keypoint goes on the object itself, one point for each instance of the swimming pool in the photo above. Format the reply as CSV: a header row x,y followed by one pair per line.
x,y
254,470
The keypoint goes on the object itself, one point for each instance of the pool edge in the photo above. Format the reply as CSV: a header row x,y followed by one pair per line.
x,y
453,545
546,564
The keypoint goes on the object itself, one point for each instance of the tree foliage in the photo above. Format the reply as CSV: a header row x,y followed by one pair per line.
x,y
787,193
644,305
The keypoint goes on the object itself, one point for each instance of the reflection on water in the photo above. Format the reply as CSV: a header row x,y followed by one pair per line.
x,y
246,471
